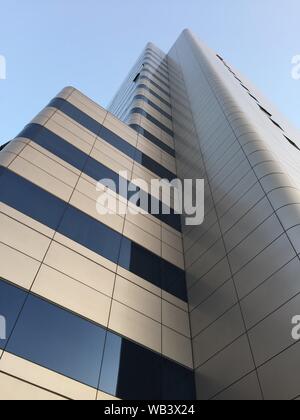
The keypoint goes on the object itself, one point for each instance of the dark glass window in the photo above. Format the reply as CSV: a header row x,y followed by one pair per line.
x,y
11,301
90,233
118,142
153,105
141,262
142,86
140,374
156,85
77,115
111,364
153,120
173,280
153,139
58,340
178,382
55,144
30,199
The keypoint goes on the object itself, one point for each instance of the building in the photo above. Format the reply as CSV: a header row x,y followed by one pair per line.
x,y
104,306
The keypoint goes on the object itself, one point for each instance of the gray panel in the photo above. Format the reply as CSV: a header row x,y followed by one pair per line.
x,y
247,389
274,292
257,271
222,333
274,334
213,308
280,378
225,369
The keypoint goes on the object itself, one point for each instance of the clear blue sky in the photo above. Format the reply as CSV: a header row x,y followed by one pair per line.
x,y
91,44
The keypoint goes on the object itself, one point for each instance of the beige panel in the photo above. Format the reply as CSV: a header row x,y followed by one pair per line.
x,y
71,130
177,347
175,319
26,220
137,298
43,117
85,252
139,328
73,295
143,238
17,267
172,240
115,161
88,206
6,158
121,129
105,397
13,389
81,139
22,238
87,106
170,254
139,281
148,223
45,378
175,301
80,268
41,178
49,165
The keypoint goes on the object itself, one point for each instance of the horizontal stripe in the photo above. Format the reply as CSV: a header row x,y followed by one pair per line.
x,y
153,139
153,120
83,229
153,105
66,343
112,138
91,167
142,86
154,74
157,69
155,84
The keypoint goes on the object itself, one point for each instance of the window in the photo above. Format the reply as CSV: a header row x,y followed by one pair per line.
x,y
91,233
58,340
141,262
30,199
173,280
63,342
140,374
11,302
55,144
111,364
178,382
153,139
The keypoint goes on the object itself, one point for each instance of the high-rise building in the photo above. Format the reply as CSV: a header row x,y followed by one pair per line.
x,y
112,305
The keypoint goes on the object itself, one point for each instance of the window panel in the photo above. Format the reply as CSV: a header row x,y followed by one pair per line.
x,y
140,373
30,199
11,301
59,341
90,233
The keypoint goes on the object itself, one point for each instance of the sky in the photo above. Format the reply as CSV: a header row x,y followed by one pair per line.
x,y
92,44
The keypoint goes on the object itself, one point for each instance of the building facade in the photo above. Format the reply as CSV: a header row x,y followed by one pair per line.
x,y
97,305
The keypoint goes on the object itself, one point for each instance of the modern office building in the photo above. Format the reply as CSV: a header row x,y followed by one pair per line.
x,y
111,306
